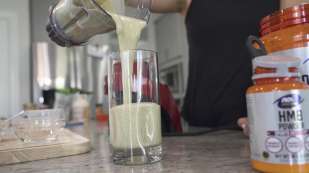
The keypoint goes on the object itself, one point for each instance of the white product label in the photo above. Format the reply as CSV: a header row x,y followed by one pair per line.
x,y
279,126
303,54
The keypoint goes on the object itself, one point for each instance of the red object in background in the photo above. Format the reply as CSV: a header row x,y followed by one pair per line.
x,y
100,115
168,103
117,77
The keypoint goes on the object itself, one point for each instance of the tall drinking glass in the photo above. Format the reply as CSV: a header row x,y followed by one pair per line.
x,y
135,117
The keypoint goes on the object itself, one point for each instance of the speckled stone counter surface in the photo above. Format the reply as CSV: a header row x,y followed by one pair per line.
x,y
217,152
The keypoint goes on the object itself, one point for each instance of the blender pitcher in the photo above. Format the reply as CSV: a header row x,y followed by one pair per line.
x,y
74,22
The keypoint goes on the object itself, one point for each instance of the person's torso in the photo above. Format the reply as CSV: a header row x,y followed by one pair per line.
x,y
219,63
215,21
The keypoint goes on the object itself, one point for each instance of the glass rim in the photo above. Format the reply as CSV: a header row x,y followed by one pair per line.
x,y
134,51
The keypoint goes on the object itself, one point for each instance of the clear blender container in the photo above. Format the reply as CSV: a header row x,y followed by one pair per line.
x,y
74,22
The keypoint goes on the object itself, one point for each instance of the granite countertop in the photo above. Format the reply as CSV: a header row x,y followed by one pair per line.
x,y
217,152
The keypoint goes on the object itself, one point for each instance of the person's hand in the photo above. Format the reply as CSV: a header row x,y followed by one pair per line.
x,y
187,6
244,125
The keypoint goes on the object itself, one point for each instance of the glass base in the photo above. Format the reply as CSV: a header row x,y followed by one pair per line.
x,y
137,156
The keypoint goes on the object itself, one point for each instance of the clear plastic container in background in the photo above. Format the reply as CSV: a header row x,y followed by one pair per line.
x,y
135,117
81,108
4,126
39,125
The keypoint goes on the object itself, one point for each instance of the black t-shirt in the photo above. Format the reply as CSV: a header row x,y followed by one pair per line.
x,y
220,65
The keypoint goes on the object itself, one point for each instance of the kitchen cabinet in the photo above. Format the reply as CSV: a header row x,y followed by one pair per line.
x,y
14,56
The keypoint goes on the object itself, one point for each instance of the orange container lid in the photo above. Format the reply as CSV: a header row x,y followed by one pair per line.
x,y
285,18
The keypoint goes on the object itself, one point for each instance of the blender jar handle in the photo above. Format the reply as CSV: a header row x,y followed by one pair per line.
x,y
255,46
143,8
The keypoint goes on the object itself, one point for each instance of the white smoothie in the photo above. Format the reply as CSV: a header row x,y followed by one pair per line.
x,y
135,126
128,31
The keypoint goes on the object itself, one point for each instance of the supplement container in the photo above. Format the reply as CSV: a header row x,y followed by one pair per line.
x,y
286,33
278,112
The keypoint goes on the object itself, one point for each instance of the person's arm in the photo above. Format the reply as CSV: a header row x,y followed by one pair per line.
x,y
165,6
290,3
